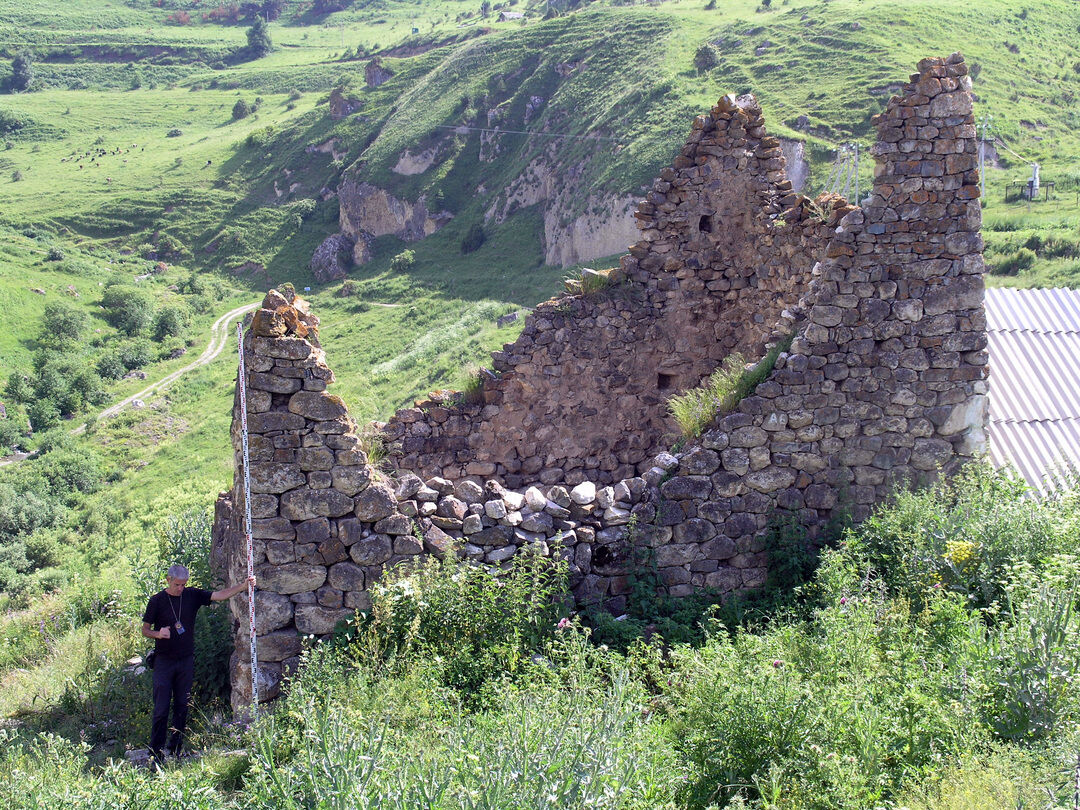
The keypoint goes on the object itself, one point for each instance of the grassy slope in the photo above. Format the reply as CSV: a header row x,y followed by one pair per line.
x,y
637,84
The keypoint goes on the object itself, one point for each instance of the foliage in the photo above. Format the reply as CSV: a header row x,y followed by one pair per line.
x,y
729,384
403,262
470,624
963,536
241,109
258,39
706,58
474,238
62,325
130,309
22,72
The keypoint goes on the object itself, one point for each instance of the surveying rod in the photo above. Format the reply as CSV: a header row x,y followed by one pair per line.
x,y
247,525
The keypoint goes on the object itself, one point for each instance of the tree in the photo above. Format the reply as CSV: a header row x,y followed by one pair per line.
x,y
241,109
170,321
22,71
128,308
258,37
403,262
62,325
706,58
485,9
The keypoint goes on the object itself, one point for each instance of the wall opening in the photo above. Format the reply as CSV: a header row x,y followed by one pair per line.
x,y
705,223
665,382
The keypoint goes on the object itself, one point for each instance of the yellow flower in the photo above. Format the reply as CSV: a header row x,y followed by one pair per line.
x,y
961,552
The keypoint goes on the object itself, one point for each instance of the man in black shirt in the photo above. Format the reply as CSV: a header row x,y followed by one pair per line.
x,y
170,620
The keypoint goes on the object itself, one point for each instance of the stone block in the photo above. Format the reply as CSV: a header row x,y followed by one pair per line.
x,y
293,578
306,504
375,503
317,620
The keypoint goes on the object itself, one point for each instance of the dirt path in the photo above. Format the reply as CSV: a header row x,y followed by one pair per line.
x,y
219,339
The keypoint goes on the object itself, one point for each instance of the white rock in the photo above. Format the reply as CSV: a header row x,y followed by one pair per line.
x,y
513,500
535,499
605,497
496,510
583,493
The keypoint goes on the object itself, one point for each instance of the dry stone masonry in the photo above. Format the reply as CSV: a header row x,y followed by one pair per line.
x,y
884,383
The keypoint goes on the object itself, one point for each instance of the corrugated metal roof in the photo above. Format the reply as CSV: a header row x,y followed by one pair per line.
x,y
1034,346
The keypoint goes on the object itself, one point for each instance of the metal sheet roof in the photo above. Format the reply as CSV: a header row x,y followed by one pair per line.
x,y
1034,346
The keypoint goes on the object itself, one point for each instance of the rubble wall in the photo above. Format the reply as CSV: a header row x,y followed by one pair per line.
x,y
582,394
884,383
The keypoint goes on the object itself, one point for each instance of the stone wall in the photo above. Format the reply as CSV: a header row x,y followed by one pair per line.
x,y
884,383
582,394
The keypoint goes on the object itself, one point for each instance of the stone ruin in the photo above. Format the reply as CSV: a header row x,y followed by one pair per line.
x,y
884,384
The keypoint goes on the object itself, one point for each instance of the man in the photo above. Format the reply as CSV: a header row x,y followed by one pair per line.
x,y
170,620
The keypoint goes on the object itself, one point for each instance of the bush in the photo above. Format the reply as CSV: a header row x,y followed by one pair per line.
x,y
258,37
128,308
473,624
1023,259
474,238
963,536
55,254
241,109
22,72
174,133
706,58
62,325
111,366
16,176
403,261
171,320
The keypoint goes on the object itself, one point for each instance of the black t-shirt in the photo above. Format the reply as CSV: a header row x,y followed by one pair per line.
x,y
165,611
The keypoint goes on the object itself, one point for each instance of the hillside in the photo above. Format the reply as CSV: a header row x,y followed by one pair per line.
x,y
157,173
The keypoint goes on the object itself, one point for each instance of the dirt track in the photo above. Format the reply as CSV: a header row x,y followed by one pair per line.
x,y
219,339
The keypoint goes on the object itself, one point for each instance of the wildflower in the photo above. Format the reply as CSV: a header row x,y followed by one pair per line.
x,y
843,600
563,624
777,664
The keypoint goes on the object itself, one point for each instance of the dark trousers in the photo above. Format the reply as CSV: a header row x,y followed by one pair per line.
x,y
172,684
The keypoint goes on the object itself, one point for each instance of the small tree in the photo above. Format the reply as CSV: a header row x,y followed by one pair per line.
x,y
706,58
22,71
258,37
403,261
62,325
241,109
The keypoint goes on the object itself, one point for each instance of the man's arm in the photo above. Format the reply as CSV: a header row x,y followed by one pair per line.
x,y
231,591
148,632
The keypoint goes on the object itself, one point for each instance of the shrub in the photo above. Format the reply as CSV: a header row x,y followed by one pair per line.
x,y
403,262
129,309
474,624
963,536
111,366
241,109
174,133
706,58
349,288
22,72
55,254
62,325
170,321
474,238
16,176
258,37
1023,259
178,18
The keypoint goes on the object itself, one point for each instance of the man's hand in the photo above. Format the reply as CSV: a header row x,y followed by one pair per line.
x,y
164,633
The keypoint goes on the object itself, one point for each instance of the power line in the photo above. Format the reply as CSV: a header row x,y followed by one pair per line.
x,y
533,134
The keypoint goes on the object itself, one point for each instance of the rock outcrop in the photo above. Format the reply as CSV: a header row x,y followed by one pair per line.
x,y
367,211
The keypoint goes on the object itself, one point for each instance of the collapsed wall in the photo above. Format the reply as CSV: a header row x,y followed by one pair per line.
x,y
582,393
884,383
